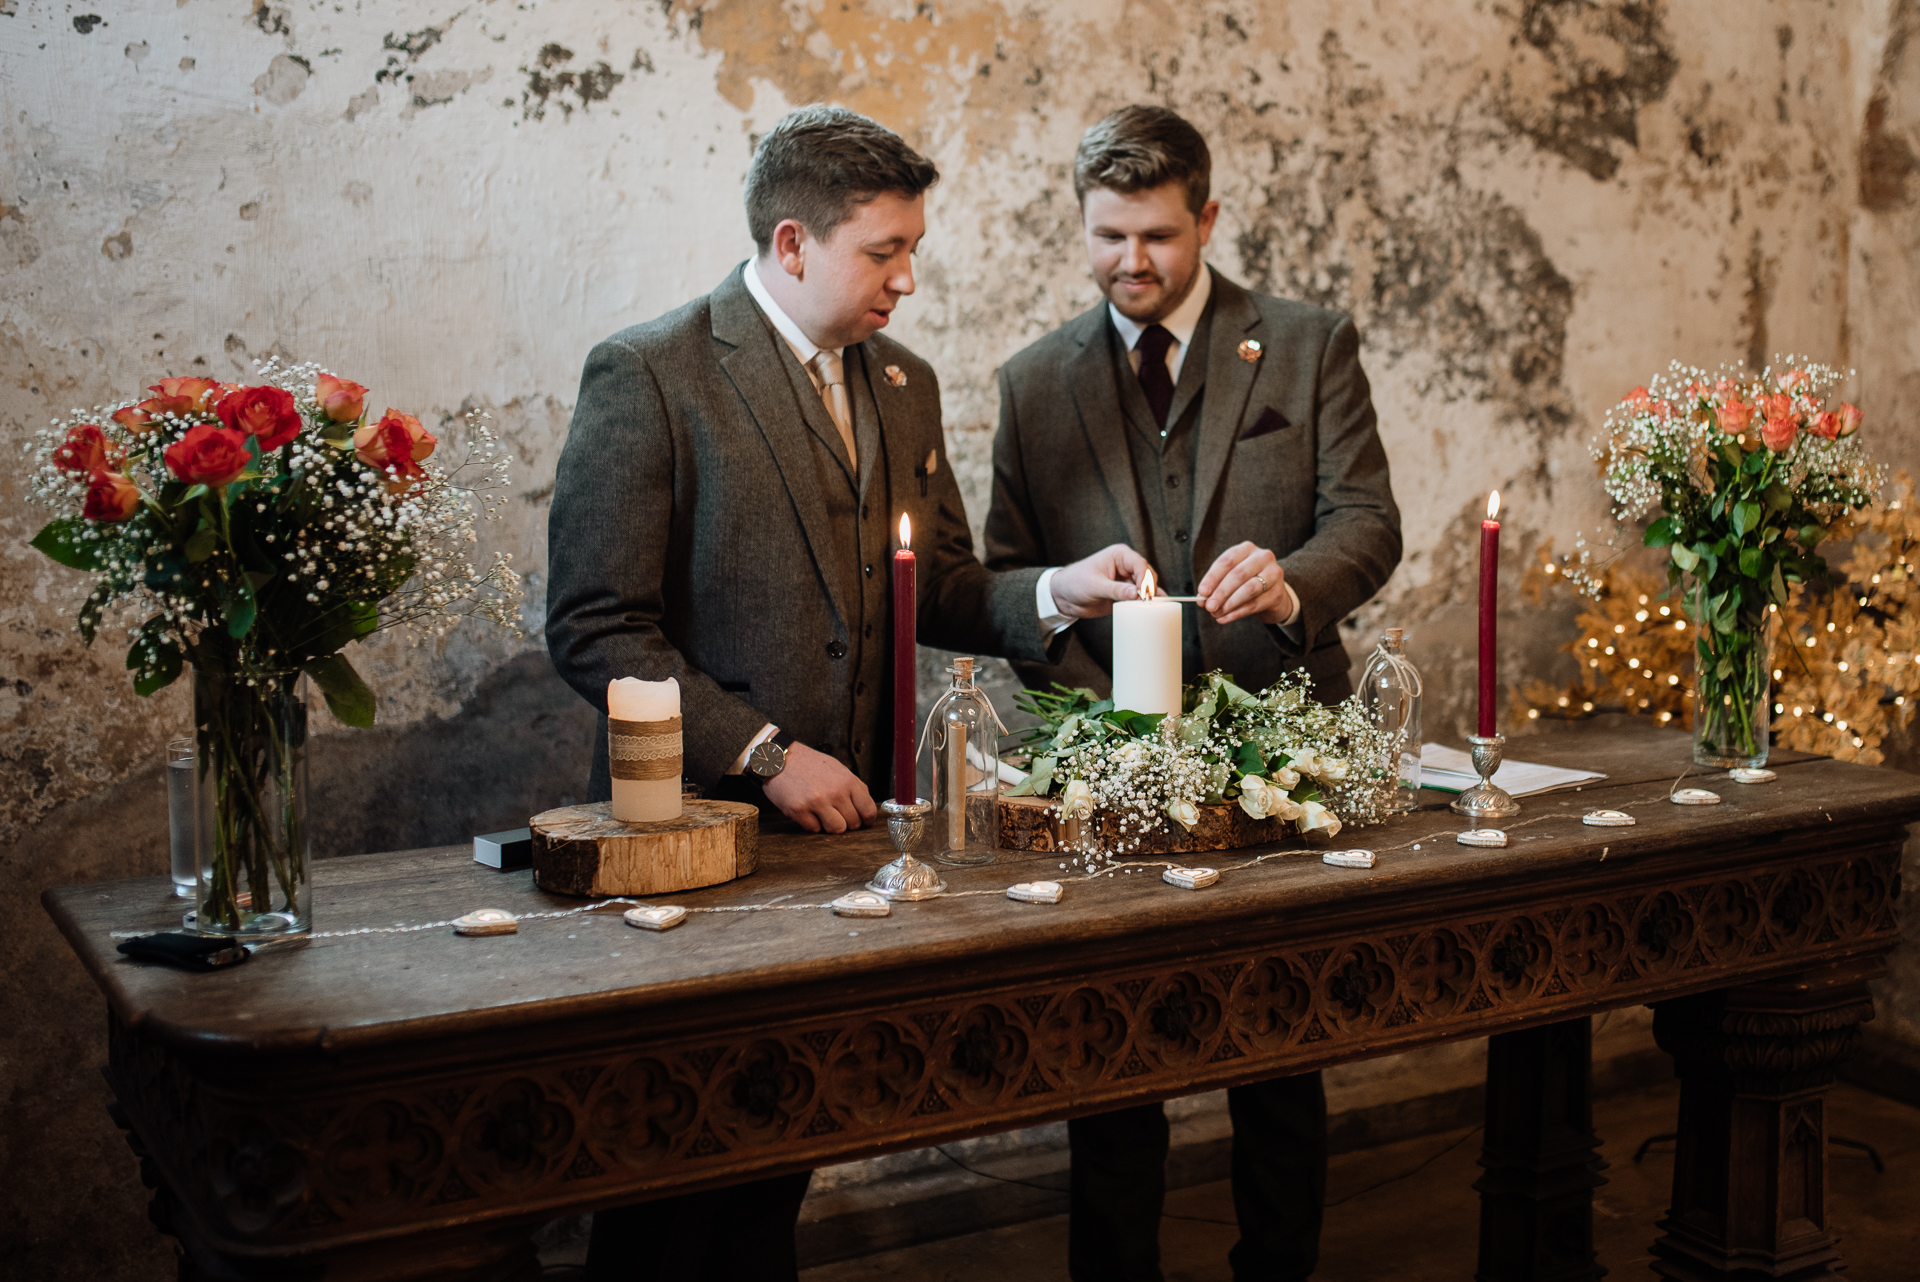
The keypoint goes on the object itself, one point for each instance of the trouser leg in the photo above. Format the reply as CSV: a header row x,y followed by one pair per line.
x,y
1118,1185
738,1234
1279,1177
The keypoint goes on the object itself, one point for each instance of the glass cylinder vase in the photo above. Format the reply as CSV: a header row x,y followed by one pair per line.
x,y
963,734
1733,692
1391,690
251,763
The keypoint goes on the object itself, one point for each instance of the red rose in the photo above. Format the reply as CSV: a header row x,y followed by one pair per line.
x,y
86,449
180,395
209,455
110,497
136,419
342,399
395,445
264,412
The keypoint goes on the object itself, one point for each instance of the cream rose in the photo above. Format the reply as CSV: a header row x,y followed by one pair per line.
x,y
1285,807
1076,802
1307,763
1257,796
1183,812
1315,817
1285,777
1333,769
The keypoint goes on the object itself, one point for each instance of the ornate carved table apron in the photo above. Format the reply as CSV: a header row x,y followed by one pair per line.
x,y
412,1105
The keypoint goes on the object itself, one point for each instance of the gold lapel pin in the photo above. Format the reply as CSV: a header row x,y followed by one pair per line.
x,y
1249,349
896,376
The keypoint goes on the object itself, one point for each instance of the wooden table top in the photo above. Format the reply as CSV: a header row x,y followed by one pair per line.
x,y
342,994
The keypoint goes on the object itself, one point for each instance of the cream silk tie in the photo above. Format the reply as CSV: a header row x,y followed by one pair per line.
x,y
833,390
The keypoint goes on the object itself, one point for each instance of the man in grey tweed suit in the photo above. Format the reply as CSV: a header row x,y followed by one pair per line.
x,y
1230,437
724,514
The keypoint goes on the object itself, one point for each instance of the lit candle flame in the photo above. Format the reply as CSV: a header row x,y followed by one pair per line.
x,y
1147,586
1493,505
906,531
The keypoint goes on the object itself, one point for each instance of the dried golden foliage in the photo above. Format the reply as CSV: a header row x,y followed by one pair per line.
x,y
1846,659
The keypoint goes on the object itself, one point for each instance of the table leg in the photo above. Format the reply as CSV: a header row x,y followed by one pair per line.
x,y
1750,1164
1536,1198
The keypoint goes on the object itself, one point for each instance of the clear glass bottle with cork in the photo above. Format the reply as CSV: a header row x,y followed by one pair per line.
x,y
963,737
1391,690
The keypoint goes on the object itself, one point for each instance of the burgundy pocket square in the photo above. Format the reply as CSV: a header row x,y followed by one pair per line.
x,y
1270,420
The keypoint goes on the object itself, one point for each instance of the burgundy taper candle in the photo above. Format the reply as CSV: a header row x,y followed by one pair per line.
x,y
906,786
1489,603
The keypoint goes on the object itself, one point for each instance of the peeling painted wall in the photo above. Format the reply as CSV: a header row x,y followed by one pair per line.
x,y
1528,205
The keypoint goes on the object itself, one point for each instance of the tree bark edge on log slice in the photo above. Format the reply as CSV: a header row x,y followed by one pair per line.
x,y
1034,823
584,850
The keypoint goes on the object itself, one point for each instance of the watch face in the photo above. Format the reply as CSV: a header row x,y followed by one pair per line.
x,y
767,759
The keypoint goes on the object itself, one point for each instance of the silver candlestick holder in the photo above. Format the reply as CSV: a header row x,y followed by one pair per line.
x,y
906,877
1486,800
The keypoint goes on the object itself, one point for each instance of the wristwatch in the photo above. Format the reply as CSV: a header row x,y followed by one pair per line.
x,y
769,758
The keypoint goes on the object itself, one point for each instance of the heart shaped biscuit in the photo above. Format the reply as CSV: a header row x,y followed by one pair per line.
x,y
487,921
1490,838
1035,892
657,917
1190,878
1695,797
1348,858
862,903
1608,819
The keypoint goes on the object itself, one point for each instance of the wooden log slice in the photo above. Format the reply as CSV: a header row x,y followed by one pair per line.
x,y
584,850
1034,823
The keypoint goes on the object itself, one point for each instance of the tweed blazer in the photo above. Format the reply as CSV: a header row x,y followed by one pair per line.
x,y
689,539
1287,454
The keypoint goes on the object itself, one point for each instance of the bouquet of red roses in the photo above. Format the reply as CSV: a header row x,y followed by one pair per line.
x,y
259,529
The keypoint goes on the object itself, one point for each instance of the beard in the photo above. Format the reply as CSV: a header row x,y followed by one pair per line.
x,y
1153,307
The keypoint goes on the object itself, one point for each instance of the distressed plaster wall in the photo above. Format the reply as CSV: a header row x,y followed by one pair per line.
x,y
1528,205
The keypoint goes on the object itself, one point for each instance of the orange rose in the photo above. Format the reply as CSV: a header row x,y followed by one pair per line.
x,y
1850,419
267,413
1793,380
137,419
342,399
110,497
395,445
85,450
1778,433
180,395
209,455
1734,417
1826,423
1777,406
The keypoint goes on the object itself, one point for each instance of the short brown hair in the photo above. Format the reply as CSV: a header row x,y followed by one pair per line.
x,y
818,163
1138,148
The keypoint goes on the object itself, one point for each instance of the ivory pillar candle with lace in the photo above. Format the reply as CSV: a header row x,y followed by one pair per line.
x,y
643,749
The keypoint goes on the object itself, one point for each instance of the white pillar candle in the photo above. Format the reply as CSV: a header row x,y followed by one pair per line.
x,y
654,702
1146,655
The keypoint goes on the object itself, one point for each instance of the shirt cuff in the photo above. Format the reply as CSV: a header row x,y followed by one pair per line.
x,y
1051,620
740,762
1293,615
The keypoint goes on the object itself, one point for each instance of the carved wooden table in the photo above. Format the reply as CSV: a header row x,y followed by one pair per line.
x,y
413,1105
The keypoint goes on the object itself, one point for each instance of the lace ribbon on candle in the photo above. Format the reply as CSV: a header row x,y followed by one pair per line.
x,y
644,749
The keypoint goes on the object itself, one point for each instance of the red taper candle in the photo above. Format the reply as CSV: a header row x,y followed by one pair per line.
x,y
1489,603
906,788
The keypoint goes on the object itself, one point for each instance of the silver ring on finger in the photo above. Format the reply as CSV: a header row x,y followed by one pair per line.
x,y
1261,579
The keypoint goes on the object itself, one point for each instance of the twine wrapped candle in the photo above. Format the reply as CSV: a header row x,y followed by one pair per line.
x,y
644,749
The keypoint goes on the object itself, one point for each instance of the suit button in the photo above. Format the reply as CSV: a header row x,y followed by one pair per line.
x,y
863,511
1179,536
859,745
1173,482
869,572
836,649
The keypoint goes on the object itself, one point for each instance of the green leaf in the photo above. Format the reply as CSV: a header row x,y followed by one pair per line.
x,y
60,539
1810,535
202,545
348,697
89,619
192,492
1745,517
1779,586
1661,533
238,604
154,657
1753,562
1249,760
1685,557
1779,497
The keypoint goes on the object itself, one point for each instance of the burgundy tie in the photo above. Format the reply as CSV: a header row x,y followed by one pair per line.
x,y
1155,379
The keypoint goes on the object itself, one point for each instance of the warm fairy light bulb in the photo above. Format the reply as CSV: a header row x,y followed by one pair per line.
x,y
1493,505
906,531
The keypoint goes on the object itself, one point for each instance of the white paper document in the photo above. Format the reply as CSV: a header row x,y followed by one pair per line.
x,y
1451,770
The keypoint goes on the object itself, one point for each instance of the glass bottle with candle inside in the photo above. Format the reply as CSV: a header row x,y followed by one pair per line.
x,y
963,736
